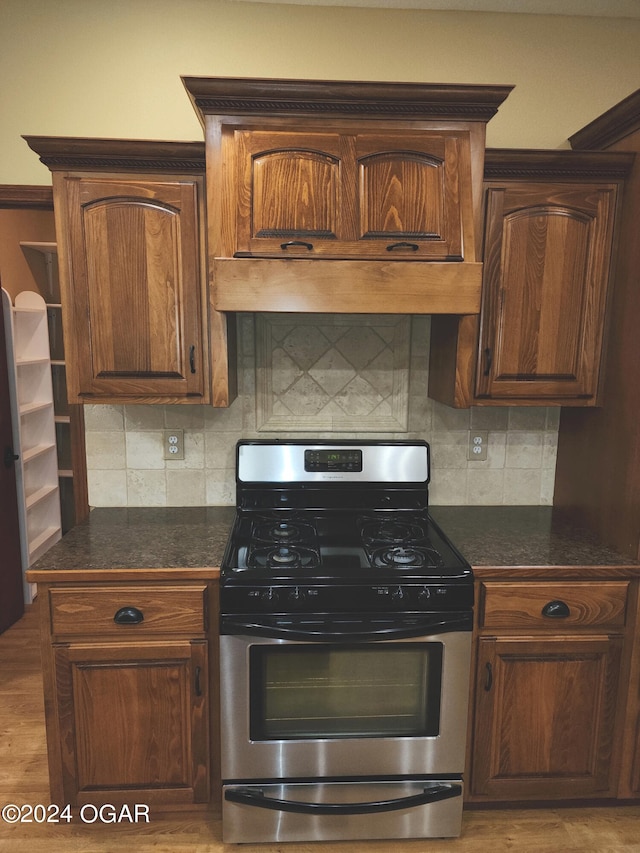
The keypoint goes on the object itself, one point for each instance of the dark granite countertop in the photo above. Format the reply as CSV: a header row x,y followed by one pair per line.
x,y
144,538
194,538
513,536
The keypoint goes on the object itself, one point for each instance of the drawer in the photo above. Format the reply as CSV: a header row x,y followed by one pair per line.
x,y
553,605
152,609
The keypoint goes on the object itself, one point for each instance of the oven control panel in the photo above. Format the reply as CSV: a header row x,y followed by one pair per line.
x,y
378,598
318,459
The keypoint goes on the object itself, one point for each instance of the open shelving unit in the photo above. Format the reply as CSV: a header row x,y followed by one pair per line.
x,y
68,419
31,393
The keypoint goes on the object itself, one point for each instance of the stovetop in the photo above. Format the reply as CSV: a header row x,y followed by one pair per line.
x,y
340,547
337,527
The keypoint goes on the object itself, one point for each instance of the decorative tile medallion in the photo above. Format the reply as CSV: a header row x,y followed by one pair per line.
x,y
332,372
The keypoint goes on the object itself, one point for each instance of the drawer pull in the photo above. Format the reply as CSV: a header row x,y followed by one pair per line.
x,y
128,616
295,244
556,610
198,686
403,245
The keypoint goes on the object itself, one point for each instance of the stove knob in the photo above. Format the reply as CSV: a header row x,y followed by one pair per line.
x,y
397,594
297,595
270,595
424,593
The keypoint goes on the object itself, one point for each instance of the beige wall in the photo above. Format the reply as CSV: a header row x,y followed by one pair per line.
x,y
112,67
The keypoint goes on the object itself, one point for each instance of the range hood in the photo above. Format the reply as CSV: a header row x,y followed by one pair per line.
x,y
344,197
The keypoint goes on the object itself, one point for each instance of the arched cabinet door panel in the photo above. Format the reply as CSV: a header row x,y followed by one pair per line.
x,y
546,270
134,279
346,194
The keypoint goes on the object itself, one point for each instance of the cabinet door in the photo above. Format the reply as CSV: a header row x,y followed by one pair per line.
x,y
546,269
133,722
133,285
340,195
544,718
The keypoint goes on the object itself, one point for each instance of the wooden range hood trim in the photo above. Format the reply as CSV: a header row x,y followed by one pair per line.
x,y
247,96
346,287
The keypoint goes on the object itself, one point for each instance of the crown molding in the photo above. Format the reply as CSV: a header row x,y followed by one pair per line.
x,y
61,153
249,96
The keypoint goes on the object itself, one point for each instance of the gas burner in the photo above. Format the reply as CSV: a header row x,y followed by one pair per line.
x,y
275,531
405,557
283,557
383,531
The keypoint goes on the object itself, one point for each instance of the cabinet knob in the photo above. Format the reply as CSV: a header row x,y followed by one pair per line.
x,y
556,610
128,616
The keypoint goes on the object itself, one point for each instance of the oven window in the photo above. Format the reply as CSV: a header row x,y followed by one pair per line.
x,y
328,691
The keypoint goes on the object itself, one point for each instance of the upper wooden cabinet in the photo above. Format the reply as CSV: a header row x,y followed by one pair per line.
x,y
131,240
548,249
351,195
378,178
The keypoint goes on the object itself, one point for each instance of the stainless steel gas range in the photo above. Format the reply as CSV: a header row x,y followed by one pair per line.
x,y
346,618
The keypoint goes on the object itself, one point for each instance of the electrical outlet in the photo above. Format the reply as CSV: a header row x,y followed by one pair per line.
x,y
478,440
173,444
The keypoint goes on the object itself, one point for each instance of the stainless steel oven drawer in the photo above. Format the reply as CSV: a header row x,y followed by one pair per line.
x,y
317,811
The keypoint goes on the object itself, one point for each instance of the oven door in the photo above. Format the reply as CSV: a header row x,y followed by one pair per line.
x,y
343,698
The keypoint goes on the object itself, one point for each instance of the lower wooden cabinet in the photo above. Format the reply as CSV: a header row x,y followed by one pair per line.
x,y
548,691
126,670
545,713
133,721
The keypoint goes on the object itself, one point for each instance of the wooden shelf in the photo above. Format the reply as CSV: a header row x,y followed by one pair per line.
x,y
34,440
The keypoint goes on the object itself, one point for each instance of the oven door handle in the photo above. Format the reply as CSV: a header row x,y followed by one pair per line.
x,y
253,797
337,631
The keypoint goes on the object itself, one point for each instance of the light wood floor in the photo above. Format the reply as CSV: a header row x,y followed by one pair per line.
x,y
23,780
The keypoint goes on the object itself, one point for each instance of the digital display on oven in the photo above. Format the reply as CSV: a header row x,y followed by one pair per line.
x,y
349,459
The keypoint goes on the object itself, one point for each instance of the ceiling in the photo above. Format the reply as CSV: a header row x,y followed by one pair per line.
x,y
599,8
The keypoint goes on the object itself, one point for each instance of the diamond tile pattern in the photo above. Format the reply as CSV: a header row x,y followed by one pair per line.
x,y
341,373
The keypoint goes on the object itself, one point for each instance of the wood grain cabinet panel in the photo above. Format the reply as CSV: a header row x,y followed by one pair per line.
x,y
549,688
134,277
93,610
127,669
545,714
548,253
553,606
133,721
131,234
547,260
344,195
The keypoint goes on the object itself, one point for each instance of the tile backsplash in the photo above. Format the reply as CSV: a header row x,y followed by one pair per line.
x,y
345,376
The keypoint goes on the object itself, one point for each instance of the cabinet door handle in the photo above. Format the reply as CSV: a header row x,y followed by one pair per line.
x,y
556,610
292,243
198,686
128,616
192,358
488,361
402,245
488,681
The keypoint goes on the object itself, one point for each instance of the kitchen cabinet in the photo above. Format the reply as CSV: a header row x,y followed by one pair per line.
x,y
380,179
549,691
351,195
131,240
549,245
126,671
